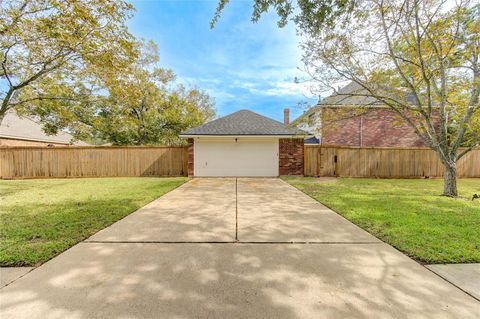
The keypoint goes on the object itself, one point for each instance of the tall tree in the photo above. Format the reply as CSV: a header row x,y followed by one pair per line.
x,y
47,45
420,58
144,106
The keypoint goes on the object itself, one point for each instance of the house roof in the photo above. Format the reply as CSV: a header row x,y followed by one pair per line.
x,y
342,97
28,128
244,122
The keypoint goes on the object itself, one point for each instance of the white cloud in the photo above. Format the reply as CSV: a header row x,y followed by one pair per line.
x,y
283,88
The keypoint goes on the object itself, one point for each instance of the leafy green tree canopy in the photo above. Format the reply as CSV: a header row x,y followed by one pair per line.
x,y
47,45
308,15
145,106
74,65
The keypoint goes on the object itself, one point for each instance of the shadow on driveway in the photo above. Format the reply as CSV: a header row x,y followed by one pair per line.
x,y
121,278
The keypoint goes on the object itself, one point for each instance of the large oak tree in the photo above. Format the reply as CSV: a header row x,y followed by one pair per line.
x,y
144,105
48,46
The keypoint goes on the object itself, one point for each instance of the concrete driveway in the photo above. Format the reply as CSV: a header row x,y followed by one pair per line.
x,y
234,248
202,210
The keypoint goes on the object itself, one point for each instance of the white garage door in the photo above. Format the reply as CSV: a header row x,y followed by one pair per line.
x,y
244,157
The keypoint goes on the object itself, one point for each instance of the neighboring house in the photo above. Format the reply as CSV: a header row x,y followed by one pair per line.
x,y
26,131
346,120
245,143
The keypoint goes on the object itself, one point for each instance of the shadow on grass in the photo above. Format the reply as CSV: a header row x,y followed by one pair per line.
x,y
31,239
427,227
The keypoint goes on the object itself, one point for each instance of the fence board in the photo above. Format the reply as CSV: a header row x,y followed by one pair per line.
x,y
35,162
383,162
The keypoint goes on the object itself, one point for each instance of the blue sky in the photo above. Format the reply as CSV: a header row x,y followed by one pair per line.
x,y
240,64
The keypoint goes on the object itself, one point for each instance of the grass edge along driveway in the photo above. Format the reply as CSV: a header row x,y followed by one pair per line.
x,y
41,218
408,214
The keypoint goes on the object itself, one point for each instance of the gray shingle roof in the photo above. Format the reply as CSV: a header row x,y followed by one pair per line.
x,y
244,122
28,128
342,97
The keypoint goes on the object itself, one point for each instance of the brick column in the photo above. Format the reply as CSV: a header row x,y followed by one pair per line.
x,y
290,156
190,156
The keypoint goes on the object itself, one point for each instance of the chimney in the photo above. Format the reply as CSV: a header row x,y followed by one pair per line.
x,y
286,116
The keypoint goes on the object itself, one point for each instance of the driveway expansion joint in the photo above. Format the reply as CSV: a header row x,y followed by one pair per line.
x,y
236,242
236,208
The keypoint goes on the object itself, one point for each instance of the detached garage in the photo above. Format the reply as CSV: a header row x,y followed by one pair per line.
x,y
245,143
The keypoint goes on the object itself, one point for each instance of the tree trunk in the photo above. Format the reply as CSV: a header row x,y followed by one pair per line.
x,y
6,100
450,180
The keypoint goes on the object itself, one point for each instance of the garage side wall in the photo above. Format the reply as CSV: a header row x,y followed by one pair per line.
x,y
290,156
190,157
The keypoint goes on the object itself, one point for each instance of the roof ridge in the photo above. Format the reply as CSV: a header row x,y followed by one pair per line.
x,y
244,122
263,116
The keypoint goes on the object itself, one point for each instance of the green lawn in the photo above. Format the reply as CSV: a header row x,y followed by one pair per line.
x,y
408,214
41,218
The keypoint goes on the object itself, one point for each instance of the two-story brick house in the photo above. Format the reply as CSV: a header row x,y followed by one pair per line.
x,y
346,120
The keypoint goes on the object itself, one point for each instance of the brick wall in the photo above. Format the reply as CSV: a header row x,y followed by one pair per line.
x,y
380,127
291,156
190,157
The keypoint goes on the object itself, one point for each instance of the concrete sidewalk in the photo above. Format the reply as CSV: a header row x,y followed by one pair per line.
x,y
10,274
465,276
155,264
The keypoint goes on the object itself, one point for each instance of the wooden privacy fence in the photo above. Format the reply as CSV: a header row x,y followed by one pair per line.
x,y
383,162
35,162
